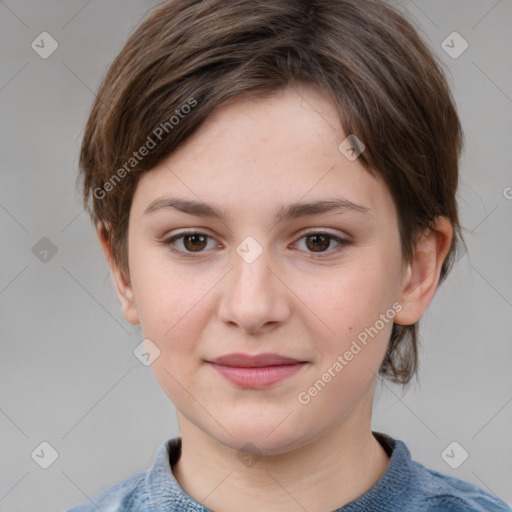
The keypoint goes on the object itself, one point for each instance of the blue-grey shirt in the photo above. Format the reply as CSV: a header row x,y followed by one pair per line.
x,y
406,485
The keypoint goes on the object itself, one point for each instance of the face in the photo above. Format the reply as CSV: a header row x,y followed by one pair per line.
x,y
305,283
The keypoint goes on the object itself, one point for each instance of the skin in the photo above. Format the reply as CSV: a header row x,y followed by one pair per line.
x,y
251,156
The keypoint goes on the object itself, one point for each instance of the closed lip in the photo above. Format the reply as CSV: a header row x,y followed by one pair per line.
x,y
241,360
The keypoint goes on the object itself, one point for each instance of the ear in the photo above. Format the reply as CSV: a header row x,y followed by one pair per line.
x,y
421,276
122,283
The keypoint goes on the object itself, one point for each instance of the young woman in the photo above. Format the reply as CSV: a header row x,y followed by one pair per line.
x,y
274,186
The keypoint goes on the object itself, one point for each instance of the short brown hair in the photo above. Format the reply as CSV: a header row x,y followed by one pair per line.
x,y
388,87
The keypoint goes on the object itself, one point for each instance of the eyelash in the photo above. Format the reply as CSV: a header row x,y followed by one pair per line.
x,y
183,254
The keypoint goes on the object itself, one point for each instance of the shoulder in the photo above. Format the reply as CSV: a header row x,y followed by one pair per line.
x,y
123,496
444,493
151,490
409,485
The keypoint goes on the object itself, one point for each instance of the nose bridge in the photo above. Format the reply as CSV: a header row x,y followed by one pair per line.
x,y
252,295
251,275
250,260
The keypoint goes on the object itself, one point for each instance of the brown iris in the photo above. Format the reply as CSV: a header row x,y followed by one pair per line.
x,y
319,242
196,242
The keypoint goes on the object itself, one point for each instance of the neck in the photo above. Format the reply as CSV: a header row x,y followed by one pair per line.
x,y
325,474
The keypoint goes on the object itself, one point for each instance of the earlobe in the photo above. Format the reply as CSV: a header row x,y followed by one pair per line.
x,y
422,273
121,282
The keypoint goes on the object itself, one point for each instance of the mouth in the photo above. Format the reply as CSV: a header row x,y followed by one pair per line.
x,y
256,371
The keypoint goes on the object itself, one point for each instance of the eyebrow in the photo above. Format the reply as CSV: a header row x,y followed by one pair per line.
x,y
287,212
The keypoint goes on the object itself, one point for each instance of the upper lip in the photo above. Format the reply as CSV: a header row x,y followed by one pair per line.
x,y
251,361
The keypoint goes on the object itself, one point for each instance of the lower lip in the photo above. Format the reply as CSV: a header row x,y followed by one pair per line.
x,y
257,377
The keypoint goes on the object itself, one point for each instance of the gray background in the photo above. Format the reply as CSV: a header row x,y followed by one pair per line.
x,y
67,372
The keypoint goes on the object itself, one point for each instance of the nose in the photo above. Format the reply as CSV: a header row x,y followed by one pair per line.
x,y
254,296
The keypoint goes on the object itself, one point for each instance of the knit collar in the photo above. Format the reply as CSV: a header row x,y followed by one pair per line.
x,y
393,486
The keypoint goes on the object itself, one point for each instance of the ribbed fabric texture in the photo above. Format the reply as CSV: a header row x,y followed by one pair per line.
x,y
406,485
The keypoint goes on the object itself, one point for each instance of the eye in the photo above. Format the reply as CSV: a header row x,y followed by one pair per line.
x,y
192,242
318,242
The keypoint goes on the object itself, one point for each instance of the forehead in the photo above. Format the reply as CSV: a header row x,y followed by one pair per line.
x,y
254,153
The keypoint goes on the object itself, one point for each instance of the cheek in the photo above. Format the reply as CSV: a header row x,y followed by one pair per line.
x,y
351,299
356,309
174,310
349,360
167,297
